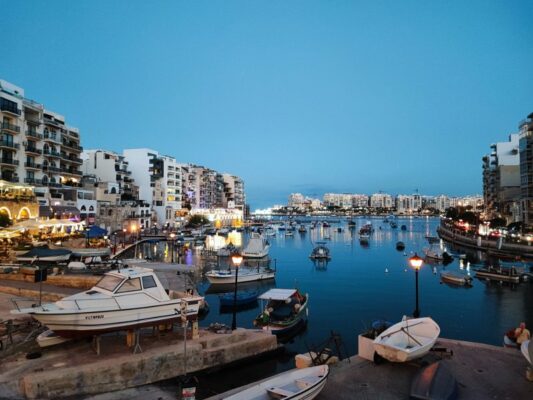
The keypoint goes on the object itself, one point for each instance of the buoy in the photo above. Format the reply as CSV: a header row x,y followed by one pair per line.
x,y
386,270
405,270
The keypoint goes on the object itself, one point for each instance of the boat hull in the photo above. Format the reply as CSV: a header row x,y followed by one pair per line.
x,y
455,280
221,280
80,324
497,277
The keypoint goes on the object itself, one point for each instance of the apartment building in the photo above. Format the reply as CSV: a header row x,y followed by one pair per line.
x,y
526,170
408,203
381,200
233,191
501,179
37,147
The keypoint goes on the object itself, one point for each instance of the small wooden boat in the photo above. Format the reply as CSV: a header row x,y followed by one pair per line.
x,y
285,309
245,275
302,229
296,384
243,298
434,382
456,279
403,227
393,225
400,246
407,340
499,274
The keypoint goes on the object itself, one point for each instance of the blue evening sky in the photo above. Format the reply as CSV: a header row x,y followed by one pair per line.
x,y
308,96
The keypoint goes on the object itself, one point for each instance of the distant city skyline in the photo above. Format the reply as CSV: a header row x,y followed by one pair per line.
x,y
309,97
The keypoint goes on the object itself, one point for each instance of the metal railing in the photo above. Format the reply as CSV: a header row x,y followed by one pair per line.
x,y
11,127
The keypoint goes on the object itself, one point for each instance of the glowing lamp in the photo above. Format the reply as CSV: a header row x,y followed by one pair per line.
x,y
236,259
416,262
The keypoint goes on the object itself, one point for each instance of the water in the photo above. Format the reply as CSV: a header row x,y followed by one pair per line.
x,y
354,288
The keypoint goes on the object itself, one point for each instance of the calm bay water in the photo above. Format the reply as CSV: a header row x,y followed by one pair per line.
x,y
354,289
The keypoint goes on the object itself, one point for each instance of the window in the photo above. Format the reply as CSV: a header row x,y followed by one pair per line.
x,y
109,282
149,282
130,285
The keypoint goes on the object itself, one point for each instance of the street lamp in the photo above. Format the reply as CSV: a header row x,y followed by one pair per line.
x,y
172,236
416,263
124,230
133,232
236,259
114,243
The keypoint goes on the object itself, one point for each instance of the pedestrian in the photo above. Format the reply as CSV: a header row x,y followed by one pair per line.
x,y
522,333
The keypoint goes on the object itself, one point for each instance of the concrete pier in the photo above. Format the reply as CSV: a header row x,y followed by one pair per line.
x,y
73,369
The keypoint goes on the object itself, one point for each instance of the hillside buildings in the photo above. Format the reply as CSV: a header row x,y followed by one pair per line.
x,y
526,170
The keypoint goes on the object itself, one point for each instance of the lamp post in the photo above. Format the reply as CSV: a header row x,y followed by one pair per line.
x,y
134,233
124,230
236,259
172,236
114,243
416,263
87,236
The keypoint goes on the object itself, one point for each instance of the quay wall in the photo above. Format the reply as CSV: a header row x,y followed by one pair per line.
x,y
479,243
73,281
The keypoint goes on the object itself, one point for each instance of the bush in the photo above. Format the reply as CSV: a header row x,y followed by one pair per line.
x,y
4,220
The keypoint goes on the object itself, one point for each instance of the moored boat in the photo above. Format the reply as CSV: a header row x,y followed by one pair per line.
x,y
245,275
456,279
320,252
296,384
123,299
499,274
284,310
400,246
242,298
407,340
257,247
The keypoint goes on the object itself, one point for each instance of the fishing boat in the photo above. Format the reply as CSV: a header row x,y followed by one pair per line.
x,y
403,227
456,279
325,224
320,252
257,247
284,310
245,275
400,246
296,384
499,274
302,229
393,225
123,299
351,224
407,340
364,238
289,232
435,253
243,298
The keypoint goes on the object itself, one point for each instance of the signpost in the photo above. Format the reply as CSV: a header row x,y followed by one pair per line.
x,y
186,393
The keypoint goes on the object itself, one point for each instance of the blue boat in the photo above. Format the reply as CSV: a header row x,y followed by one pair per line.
x,y
243,298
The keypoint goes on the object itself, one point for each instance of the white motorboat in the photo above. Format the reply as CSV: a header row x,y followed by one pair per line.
x,y
245,275
320,252
407,340
296,384
123,299
257,247
527,351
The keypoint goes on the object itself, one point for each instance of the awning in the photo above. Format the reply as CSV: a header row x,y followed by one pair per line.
x,y
95,231
278,294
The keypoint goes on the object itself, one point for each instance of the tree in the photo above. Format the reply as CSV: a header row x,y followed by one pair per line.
x,y
4,220
498,223
452,213
197,220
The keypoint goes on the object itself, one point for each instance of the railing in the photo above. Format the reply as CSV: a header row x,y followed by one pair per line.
x,y
33,149
13,110
51,153
51,169
32,165
34,134
11,145
32,181
13,179
11,127
51,136
9,161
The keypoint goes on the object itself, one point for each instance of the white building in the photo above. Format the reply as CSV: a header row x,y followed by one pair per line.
x,y
408,204
296,200
442,203
381,200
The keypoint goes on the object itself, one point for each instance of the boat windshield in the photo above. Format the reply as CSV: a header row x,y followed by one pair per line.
x,y
109,282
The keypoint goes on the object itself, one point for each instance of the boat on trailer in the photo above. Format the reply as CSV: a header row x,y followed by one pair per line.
x,y
407,340
296,384
123,299
285,310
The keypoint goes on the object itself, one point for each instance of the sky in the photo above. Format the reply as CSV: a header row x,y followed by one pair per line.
x,y
293,96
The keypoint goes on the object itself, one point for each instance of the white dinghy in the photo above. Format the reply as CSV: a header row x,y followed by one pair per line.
x,y
296,384
407,340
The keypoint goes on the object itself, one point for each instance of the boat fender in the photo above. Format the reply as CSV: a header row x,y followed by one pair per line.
x,y
386,270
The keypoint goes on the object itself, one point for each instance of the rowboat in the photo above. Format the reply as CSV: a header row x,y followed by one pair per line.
x,y
245,275
285,309
296,384
242,298
450,277
407,340
123,299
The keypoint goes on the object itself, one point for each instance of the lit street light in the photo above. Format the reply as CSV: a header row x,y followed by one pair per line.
x,y
236,259
416,263
172,236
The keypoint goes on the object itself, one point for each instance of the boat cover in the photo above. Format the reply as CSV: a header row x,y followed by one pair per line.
x,y
434,382
95,231
278,294
44,251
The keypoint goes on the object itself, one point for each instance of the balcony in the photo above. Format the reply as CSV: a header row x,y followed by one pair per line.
x,y
53,137
34,134
32,165
8,144
71,145
32,181
71,172
9,161
12,179
52,122
6,126
33,149
51,153
51,169
10,109
72,159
